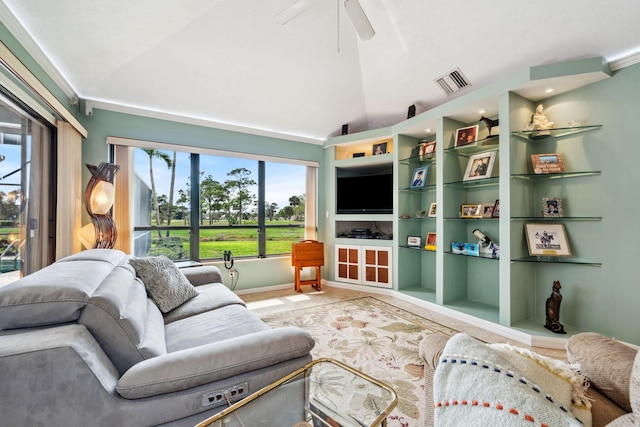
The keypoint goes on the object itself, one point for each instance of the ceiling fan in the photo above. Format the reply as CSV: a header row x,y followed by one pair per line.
x,y
354,10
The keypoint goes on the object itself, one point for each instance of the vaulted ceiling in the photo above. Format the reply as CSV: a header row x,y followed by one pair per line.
x,y
229,62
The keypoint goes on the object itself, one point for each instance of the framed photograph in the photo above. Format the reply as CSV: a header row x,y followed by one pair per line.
x,y
414,241
465,136
487,210
480,166
432,210
547,163
552,207
419,177
380,148
426,150
471,211
496,209
461,248
431,242
547,240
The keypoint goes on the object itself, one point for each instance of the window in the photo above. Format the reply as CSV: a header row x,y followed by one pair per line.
x,y
252,208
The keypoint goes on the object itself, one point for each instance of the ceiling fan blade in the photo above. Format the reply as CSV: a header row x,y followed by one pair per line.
x,y
359,19
292,11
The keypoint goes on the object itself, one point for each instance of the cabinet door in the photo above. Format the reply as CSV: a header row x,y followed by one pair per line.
x,y
376,266
348,263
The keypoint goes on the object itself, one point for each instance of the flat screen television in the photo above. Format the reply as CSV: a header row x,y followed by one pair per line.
x,y
364,190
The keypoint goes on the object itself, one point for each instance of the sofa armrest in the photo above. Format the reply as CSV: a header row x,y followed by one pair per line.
x,y
606,362
202,275
193,367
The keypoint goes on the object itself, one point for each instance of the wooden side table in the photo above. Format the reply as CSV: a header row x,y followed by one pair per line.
x,y
307,253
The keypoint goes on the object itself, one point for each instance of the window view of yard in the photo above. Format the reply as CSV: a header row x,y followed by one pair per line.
x,y
228,219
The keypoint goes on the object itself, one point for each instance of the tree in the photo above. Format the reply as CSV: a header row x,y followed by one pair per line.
x,y
173,180
238,186
156,154
271,209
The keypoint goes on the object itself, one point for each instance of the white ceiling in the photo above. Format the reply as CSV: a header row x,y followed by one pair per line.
x,y
229,62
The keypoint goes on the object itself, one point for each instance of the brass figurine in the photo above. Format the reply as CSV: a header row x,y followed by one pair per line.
x,y
553,310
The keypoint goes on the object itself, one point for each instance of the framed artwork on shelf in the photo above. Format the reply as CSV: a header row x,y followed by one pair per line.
x,y
461,248
471,211
432,210
414,241
496,209
426,150
552,207
547,163
419,177
480,166
466,136
380,148
431,242
487,210
547,240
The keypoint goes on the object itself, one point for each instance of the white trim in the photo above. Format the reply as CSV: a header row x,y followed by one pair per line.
x,y
138,143
505,331
625,61
23,37
25,97
20,71
125,109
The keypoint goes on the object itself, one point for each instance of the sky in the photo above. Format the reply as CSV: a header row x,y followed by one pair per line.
x,y
283,180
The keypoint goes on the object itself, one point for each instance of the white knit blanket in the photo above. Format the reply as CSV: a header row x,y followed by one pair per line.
x,y
476,384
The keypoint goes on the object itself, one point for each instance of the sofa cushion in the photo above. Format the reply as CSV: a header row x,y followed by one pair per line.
x,y
212,326
606,362
210,297
165,283
56,294
126,323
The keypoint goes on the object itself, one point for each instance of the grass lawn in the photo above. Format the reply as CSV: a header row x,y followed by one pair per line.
x,y
240,241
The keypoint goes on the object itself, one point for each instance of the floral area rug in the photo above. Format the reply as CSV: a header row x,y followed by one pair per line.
x,y
376,338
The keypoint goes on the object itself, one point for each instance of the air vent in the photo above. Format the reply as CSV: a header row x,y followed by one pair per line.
x,y
453,82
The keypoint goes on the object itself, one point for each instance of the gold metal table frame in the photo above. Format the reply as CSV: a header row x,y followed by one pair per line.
x,y
324,393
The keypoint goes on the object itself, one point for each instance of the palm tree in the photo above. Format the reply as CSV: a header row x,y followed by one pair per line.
x,y
173,180
154,197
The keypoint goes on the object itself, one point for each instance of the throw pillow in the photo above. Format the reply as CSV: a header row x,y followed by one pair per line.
x,y
474,384
165,283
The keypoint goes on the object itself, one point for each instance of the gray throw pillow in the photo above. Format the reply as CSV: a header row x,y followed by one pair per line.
x,y
165,283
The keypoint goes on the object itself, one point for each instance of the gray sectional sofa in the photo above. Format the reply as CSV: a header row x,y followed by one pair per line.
x,y
81,344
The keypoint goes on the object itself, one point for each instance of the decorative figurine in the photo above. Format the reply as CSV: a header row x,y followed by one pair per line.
x,y
490,123
553,310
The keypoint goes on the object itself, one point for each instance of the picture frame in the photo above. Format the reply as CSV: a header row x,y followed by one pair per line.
x,y
487,210
467,135
496,209
379,148
547,240
471,211
552,207
419,177
480,166
432,210
461,248
430,244
414,241
426,150
547,163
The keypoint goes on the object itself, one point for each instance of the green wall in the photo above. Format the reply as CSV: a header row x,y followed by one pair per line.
x,y
253,273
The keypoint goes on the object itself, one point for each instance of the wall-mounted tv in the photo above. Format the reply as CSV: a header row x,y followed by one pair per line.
x,y
364,190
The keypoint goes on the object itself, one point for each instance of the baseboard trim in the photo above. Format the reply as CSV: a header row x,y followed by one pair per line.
x,y
505,331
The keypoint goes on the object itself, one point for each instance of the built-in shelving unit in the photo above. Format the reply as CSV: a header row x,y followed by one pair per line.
x,y
508,289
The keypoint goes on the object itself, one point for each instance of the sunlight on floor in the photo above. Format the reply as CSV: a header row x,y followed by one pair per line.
x,y
264,303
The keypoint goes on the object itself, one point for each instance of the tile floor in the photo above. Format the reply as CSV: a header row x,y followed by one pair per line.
x,y
263,303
